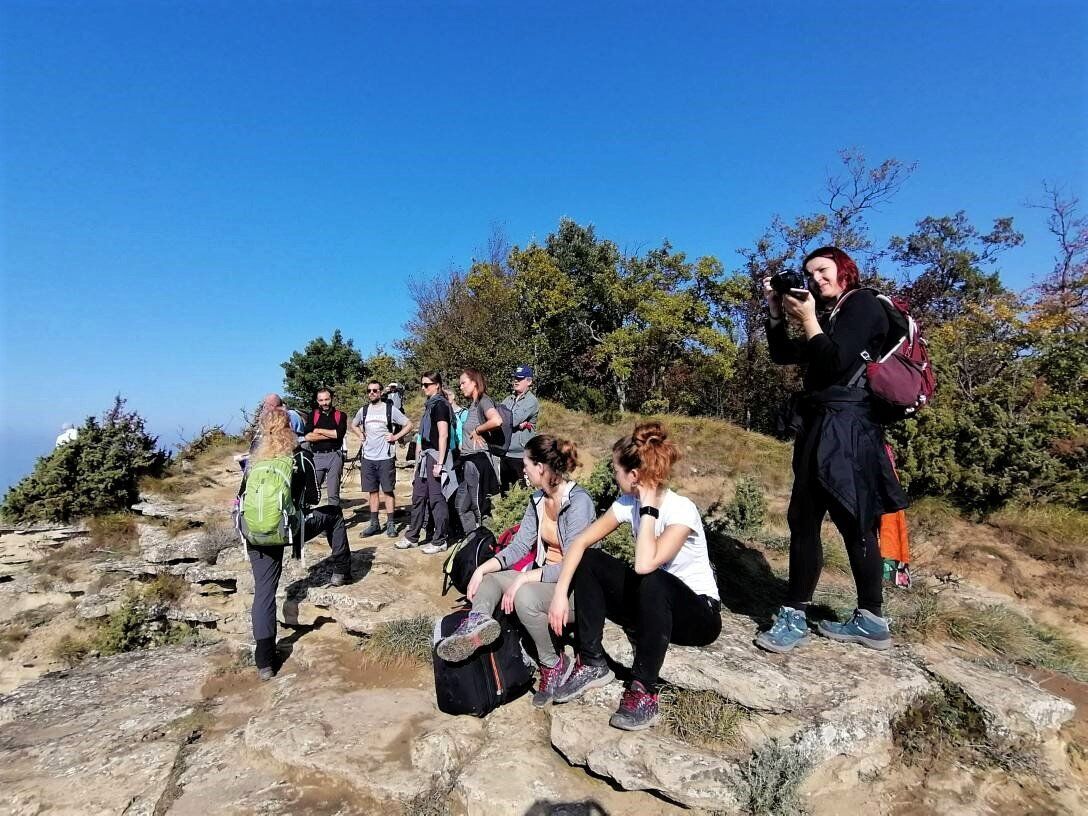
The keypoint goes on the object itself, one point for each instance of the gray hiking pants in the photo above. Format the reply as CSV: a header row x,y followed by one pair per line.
x,y
468,498
531,604
329,466
267,566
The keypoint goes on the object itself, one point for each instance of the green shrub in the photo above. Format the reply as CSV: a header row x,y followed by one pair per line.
x,y
621,544
210,439
94,474
601,485
509,509
139,624
748,511
165,589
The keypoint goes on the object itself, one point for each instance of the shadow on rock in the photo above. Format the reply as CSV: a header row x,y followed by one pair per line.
x,y
588,807
746,582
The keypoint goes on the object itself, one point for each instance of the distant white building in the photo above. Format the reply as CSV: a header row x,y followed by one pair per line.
x,y
68,433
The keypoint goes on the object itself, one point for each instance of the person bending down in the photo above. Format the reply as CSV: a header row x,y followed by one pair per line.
x,y
670,596
558,512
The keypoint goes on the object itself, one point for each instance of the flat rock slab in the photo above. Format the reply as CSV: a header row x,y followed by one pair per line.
x,y
101,738
389,745
1014,706
159,547
824,699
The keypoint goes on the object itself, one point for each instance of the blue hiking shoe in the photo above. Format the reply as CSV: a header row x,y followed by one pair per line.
x,y
864,628
790,628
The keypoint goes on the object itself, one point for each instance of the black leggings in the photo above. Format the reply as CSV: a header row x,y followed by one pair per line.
x,y
661,608
809,503
267,566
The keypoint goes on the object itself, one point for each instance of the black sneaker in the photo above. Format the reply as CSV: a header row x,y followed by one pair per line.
x,y
266,674
582,679
372,529
391,529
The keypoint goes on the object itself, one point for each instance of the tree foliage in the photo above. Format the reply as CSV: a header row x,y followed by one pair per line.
x,y
96,473
322,364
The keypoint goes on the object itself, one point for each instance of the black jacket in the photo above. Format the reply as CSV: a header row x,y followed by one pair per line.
x,y
841,442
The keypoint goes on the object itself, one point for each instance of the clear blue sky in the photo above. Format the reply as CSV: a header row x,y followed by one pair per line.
x,y
190,191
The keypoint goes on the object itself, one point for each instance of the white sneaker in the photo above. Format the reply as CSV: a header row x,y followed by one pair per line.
x,y
406,544
431,549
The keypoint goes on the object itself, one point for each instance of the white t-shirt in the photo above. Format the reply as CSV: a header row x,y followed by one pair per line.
x,y
371,418
692,563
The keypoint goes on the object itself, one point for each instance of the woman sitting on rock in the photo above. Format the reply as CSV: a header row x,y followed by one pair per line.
x,y
670,596
558,512
279,441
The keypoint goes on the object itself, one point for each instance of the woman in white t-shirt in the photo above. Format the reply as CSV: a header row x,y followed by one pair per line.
x,y
670,596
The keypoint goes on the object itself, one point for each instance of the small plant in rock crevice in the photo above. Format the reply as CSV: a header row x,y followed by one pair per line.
x,y
771,779
700,717
403,638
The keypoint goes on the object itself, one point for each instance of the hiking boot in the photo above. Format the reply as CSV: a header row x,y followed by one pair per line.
x,y
790,628
266,674
372,529
864,628
406,544
582,679
391,529
432,548
477,630
551,678
339,579
638,709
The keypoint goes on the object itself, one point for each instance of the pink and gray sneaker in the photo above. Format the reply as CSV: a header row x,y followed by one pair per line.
x,y
638,709
551,678
478,629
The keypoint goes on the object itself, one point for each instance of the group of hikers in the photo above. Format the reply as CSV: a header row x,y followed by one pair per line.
x,y
669,594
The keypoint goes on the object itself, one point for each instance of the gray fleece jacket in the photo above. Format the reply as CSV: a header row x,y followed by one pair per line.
x,y
576,513
525,408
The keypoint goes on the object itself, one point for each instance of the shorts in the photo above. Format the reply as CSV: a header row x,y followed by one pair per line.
x,y
382,473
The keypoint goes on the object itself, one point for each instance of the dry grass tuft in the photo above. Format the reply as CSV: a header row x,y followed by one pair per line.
x,y
700,717
114,531
403,638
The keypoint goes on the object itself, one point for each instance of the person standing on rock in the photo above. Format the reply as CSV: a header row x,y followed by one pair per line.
x,y
524,412
559,511
278,439
380,424
840,466
669,596
325,431
434,481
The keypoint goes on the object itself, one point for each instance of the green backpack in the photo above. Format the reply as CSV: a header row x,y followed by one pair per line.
x,y
268,514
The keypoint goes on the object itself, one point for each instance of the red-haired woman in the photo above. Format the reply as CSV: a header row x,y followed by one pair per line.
x,y
839,463
670,596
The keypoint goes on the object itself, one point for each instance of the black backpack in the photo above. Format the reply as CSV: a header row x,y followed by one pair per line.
x,y
394,427
494,675
498,439
465,557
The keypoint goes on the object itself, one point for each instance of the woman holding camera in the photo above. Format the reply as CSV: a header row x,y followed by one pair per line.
x,y
839,463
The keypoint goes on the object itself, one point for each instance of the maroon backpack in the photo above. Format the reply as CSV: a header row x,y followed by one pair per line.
x,y
903,378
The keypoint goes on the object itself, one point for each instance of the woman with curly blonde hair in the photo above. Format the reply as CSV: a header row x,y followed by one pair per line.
x,y
668,596
276,439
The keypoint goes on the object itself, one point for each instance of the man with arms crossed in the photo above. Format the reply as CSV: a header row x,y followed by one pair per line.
x,y
325,431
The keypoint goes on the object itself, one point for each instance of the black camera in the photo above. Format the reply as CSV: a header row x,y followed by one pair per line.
x,y
783,282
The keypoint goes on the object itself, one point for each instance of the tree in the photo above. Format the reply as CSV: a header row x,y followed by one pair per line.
x,y
96,473
322,364
951,253
1062,296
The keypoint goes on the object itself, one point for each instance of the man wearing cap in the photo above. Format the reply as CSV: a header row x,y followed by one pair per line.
x,y
524,411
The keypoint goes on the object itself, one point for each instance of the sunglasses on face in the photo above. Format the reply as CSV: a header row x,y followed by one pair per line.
x,y
425,384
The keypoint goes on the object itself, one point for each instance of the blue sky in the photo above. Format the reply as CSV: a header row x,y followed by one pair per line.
x,y
191,191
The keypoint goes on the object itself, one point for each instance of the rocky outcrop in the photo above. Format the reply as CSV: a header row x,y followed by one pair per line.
x,y
158,546
1014,706
102,739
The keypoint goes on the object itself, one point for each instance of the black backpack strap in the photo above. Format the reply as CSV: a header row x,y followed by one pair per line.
x,y
389,415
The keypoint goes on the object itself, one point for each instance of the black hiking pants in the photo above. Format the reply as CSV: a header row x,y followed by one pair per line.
x,y
427,495
660,607
809,504
267,566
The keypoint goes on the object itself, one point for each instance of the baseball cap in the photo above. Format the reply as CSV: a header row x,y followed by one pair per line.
x,y
523,371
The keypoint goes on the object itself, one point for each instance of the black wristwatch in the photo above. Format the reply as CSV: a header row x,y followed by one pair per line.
x,y
649,511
